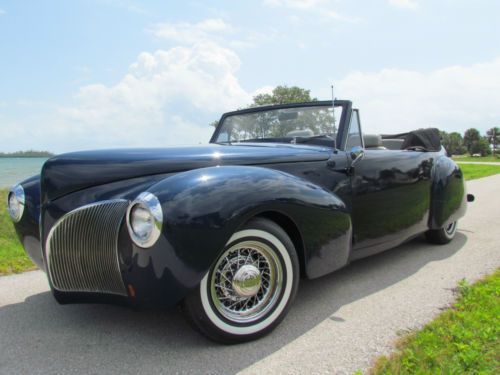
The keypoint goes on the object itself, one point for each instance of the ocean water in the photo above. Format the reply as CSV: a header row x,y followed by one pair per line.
x,y
13,170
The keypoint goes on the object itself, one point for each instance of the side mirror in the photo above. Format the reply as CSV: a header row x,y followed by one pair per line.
x,y
357,154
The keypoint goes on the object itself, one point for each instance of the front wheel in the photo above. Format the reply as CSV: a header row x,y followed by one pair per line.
x,y
250,287
442,235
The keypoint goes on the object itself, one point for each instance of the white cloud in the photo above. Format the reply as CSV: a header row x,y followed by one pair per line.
x,y
405,4
297,4
263,90
453,98
212,29
198,74
324,9
167,98
185,32
144,104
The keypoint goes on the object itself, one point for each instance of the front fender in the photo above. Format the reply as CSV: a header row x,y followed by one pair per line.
x,y
202,208
448,196
28,228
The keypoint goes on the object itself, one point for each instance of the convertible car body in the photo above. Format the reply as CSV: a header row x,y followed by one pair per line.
x,y
228,228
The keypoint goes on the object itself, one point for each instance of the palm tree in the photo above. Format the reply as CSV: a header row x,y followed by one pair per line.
x,y
493,136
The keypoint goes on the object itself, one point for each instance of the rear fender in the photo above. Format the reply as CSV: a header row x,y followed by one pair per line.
x,y
448,196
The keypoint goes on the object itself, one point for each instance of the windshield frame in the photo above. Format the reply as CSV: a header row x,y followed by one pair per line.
x,y
345,104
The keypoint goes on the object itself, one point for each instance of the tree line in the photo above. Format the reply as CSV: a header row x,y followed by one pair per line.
x,y
26,154
280,95
472,142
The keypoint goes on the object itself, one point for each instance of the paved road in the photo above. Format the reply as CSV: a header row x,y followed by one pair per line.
x,y
338,324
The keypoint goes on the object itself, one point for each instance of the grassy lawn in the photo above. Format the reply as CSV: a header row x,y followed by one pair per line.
x,y
13,259
462,340
481,159
473,171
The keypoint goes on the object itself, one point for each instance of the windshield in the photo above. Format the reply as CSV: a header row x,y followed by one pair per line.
x,y
285,125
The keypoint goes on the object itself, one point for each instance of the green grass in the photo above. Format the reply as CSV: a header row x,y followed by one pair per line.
x,y
13,259
462,340
473,171
481,159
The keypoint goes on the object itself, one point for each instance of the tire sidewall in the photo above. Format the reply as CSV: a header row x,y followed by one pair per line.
x,y
449,235
441,236
220,329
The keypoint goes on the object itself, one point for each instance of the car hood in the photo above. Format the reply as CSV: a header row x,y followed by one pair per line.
x,y
70,172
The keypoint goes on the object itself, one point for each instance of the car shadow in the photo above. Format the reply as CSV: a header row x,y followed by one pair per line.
x,y
38,335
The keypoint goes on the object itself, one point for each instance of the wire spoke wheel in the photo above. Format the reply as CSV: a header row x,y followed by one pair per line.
x,y
246,281
250,286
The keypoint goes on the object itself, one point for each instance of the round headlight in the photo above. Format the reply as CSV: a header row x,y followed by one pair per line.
x,y
145,220
16,202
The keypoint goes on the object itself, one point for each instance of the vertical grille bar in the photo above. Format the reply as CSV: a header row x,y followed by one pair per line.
x,y
81,249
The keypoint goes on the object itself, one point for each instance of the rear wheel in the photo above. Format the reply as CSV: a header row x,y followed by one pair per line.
x,y
442,235
250,287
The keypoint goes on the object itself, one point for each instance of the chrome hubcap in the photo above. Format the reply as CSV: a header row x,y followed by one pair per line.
x,y
246,281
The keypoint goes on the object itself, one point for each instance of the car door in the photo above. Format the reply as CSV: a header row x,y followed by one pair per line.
x,y
390,193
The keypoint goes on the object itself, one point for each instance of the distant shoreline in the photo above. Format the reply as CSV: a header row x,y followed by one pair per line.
x,y
26,154
24,157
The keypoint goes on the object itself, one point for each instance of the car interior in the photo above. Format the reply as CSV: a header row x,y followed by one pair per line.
x,y
376,142
417,140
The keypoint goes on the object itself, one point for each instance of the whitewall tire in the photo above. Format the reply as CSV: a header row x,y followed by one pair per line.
x,y
248,290
442,235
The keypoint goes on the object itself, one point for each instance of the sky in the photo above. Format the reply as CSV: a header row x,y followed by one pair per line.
x,y
78,75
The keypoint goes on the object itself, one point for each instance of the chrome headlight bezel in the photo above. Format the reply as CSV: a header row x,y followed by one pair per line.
x,y
150,205
16,201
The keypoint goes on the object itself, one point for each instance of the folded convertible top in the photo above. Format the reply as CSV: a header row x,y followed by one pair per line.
x,y
424,139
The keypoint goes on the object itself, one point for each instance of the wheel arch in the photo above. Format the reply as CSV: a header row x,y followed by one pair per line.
x,y
291,229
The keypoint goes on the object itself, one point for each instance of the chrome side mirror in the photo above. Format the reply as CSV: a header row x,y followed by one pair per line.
x,y
357,153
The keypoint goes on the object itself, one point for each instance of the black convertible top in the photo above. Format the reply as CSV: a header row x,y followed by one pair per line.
x,y
424,139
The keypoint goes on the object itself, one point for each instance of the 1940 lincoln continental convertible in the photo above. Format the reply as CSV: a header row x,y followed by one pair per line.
x,y
227,229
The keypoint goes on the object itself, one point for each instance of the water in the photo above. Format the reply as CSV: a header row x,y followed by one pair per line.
x,y
13,170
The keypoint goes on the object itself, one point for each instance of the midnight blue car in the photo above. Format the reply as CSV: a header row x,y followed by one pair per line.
x,y
227,229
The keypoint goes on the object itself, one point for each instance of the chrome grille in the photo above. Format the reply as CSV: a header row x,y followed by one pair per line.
x,y
82,249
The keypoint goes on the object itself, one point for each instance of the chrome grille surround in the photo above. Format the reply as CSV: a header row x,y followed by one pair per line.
x,y
82,249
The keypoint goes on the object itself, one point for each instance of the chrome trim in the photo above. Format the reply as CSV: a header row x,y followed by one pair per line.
x,y
247,281
151,203
82,249
18,192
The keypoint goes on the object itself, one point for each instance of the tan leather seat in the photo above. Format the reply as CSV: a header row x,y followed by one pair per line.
x,y
373,142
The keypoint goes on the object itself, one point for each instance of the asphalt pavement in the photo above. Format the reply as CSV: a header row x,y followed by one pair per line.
x,y
338,324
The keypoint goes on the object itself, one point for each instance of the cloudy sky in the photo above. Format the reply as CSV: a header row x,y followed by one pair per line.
x,y
118,73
